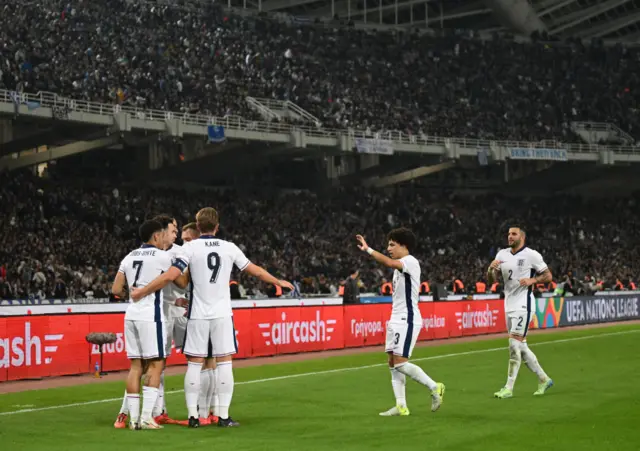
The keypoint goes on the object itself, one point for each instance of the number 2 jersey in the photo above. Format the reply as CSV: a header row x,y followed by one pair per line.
x,y
523,264
210,262
140,267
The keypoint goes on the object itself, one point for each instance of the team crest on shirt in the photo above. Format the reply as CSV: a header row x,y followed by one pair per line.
x,y
521,262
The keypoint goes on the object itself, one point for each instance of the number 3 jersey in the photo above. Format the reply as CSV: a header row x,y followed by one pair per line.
x,y
210,262
523,264
140,267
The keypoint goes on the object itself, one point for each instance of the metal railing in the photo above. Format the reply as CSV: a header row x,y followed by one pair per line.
x,y
261,108
608,127
48,99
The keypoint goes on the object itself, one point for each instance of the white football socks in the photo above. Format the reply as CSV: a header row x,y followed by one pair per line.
x,y
203,397
515,360
417,374
192,388
225,384
399,382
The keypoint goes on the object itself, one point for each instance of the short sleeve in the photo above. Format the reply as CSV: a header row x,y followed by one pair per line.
x,y
537,262
239,259
407,263
182,258
122,267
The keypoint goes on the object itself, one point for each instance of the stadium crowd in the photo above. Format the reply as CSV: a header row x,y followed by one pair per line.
x,y
66,238
199,58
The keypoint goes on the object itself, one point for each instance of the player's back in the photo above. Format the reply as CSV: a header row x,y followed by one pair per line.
x,y
406,291
211,261
523,264
140,268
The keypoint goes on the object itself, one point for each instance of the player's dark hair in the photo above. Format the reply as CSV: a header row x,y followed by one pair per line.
x,y
521,227
148,228
404,237
165,220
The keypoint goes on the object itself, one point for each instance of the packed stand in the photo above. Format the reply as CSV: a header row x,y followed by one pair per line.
x,y
62,239
200,59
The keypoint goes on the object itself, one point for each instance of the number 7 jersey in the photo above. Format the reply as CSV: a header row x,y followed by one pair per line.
x,y
210,262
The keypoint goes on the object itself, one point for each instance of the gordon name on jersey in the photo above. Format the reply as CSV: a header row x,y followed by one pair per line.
x,y
523,264
211,261
140,267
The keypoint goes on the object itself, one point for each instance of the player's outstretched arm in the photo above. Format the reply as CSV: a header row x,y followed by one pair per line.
x,y
263,274
377,256
158,283
118,287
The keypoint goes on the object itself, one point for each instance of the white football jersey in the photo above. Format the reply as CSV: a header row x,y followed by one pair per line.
x,y
172,292
140,267
210,261
406,292
523,264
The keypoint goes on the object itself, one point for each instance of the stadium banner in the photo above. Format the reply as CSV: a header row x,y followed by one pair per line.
x,y
601,309
376,146
54,345
532,153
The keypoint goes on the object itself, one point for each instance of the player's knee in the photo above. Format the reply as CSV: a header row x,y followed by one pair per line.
x,y
226,358
515,353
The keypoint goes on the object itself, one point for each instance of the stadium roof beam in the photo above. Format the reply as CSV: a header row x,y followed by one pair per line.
x,y
554,5
341,8
54,153
518,15
275,5
411,174
609,26
571,20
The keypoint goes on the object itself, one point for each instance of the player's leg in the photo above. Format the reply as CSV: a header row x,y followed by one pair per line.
x,y
515,326
408,336
133,347
398,379
160,409
121,420
214,403
195,348
530,359
154,342
205,387
133,393
224,346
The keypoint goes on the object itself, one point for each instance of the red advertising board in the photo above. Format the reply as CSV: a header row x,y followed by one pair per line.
x,y
41,346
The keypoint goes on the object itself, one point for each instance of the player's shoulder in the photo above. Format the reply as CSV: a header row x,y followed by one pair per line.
x,y
503,251
410,261
532,252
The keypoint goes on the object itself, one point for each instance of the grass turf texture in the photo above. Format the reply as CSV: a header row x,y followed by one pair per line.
x,y
594,405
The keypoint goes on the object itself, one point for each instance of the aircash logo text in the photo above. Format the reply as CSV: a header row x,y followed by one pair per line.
x,y
27,350
472,319
284,332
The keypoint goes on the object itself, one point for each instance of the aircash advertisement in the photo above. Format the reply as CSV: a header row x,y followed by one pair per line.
x,y
55,345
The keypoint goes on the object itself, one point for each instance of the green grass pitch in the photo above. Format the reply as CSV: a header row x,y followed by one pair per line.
x,y
333,404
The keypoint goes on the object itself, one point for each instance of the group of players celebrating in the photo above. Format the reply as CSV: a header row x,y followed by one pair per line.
x,y
160,273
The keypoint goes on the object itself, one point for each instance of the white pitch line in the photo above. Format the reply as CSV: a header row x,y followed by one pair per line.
x,y
337,370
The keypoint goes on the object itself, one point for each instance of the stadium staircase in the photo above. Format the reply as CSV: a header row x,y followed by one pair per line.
x,y
593,132
271,109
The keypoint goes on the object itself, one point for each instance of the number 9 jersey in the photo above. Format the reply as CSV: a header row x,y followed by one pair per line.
x,y
210,262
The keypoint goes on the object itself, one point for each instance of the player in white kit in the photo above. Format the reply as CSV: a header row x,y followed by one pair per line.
x,y
521,269
405,323
145,334
210,261
174,328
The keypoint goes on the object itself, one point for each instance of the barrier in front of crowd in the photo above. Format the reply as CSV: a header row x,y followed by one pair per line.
x,y
41,345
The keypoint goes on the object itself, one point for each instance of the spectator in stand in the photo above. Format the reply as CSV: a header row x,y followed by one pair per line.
x,y
197,58
46,227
